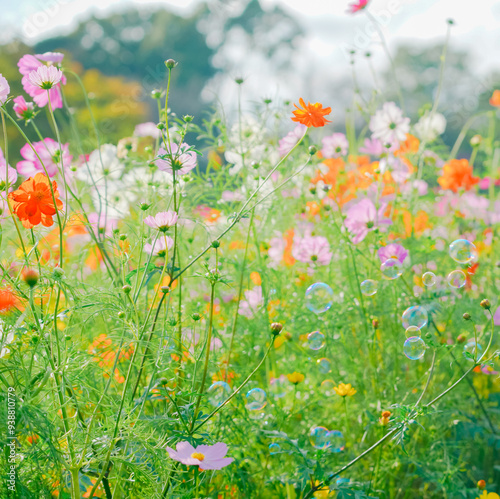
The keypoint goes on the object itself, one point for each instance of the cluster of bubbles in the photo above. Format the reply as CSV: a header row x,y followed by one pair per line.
x,y
319,297
414,319
256,399
322,438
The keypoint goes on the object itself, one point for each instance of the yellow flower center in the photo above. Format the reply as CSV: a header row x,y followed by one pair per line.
x,y
198,455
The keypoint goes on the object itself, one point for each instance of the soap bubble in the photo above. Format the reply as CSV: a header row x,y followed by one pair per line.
x,y
472,350
319,437
337,441
274,448
456,279
324,366
369,287
279,386
319,297
315,340
327,385
415,316
412,331
218,393
391,268
414,348
256,399
429,279
462,251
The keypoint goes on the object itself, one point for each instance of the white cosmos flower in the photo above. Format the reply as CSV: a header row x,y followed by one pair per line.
x,y
389,125
103,163
430,126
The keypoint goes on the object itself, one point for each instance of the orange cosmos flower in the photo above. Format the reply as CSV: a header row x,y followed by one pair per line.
x,y
457,174
495,98
8,300
311,114
33,202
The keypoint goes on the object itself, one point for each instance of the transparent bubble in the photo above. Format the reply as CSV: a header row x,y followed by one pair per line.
x,y
369,287
429,279
274,448
256,399
415,316
337,441
392,268
412,331
218,393
472,350
341,481
315,340
319,297
456,279
414,347
319,437
462,251
324,366
327,385
279,386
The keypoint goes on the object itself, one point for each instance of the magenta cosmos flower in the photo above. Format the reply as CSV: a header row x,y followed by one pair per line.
x,y
24,110
312,249
357,6
207,457
50,154
179,159
4,90
335,145
363,217
29,63
392,251
162,220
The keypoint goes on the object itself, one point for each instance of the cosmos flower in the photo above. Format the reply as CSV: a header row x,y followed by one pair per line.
x,y
311,114
7,174
312,249
8,300
344,390
357,6
495,98
160,247
48,151
363,217
45,77
178,159
375,147
457,174
254,300
430,126
286,144
102,164
389,125
162,220
4,90
392,251
206,457
335,145
24,110
148,129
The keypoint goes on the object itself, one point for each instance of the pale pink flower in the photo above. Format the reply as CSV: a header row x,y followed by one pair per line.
x,y
162,220
148,129
192,340
389,125
7,174
392,250
314,250
102,224
45,77
286,144
254,300
276,249
496,317
207,457
160,247
230,196
24,110
55,57
357,6
375,147
179,159
335,145
50,154
363,217
4,90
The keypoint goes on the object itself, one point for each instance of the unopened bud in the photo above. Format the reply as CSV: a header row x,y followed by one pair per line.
x,y
481,484
30,277
276,328
196,316
375,323
312,150
485,304
165,289
58,273
156,94
461,338
466,316
127,289
215,244
170,63
121,314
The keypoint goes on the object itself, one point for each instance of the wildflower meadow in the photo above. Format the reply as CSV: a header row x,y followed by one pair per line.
x,y
274,303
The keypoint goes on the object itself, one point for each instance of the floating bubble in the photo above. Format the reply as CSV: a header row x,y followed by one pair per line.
x,y
415,316
327,385
462,251
337,441
456,279
319,297
324,366
218,393
472,350
256,399
279,386
414,347
369,287
315,340
274,448
319,437
429,279
412,331
392,268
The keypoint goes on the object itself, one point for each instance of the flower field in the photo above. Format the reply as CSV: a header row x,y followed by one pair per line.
x,y
278,304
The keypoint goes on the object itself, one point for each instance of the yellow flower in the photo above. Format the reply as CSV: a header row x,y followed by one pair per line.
x,y
344,390
323,492
295,378
488,495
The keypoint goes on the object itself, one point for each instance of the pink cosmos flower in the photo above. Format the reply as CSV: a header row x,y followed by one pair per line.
x,y
314,250
375,147
159,248
45,77
7,174
357,6
207,457
254,300
24,110
29,63
50,154
4,90
285,145
496,317
148,129
162,220
392,250
103,224
179,160
276,249
363,217
230,196
335,145
193,340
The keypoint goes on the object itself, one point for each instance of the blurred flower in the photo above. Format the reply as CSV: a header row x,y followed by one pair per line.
x,y
50,155
457,174
162,220
496,317
102,224
375,147
8,300
178,159
286,144
344,390
323,492
389,125
207,457
254,300
488,495
4,89
335,145
385,418
430,126
392,251
7,173
24,110
363,217
160,247
33,202
312,250
102,163
311,114
495,98
357,6
45,77
126,145
148,129
295,378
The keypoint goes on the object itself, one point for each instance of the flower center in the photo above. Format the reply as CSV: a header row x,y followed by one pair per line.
x,y
198,455
392,126
369,224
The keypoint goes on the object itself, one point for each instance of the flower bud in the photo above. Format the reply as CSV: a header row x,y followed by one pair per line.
x,y
127,289
375,323
170,63
215,244
461,338
476,140
30,277
188,118
239,80
161,126
156,94
276,328
481,484
58,273
485,304
123,237
196,316
121,314
466,316
145,206
312,150
165,289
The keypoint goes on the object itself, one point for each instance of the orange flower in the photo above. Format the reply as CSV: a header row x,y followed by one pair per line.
x,y
495,98
7,300
311,114
457,174
33,202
